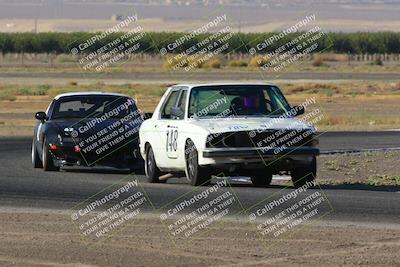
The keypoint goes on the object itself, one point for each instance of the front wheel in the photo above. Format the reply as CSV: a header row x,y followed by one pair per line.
x,y
304,174
47,159
153,173
196,174
36,162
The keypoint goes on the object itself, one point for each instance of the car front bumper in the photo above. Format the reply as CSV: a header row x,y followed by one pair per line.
x,y
284,156
297,151
65,154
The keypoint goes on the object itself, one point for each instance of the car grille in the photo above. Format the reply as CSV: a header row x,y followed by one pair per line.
x,y
266,138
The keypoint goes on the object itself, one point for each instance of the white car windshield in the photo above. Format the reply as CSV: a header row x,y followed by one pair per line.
x,y
236,100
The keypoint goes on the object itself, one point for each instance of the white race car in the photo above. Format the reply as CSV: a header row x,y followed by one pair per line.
x,y
235,129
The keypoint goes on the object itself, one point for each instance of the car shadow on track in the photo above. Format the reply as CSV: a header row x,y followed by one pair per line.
x,y
247,184
137,170
233,182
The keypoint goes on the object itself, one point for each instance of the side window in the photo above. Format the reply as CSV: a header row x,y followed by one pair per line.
x,y
276,100
182,103
171,101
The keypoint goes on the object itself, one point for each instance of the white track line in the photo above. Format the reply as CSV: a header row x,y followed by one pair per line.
x,y
274,177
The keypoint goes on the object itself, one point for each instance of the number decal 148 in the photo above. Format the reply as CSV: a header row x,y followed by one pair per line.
x,y
172,140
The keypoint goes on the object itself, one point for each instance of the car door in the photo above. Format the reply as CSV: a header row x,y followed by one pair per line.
x,y
176,126
167,128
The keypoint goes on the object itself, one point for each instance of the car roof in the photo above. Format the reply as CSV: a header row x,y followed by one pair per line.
x,y
191,85
88,94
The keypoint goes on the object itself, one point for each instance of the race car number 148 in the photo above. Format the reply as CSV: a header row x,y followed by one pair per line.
x,y
172,140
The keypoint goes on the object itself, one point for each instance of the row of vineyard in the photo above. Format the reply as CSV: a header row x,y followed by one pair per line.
x,y
62,43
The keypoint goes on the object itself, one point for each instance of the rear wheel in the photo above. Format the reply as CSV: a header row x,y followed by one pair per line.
x,y
196,174
36,162
261,177
304,174
47,159
153,173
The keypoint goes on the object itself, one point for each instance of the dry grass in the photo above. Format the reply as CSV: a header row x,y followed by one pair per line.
x,y
332,57
344,88
358,120
258,61
237,63
183,62
212,64
7,95
11,92
327,62
318,62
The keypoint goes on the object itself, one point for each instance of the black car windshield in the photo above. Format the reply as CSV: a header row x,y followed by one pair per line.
x,y
237,100
92,106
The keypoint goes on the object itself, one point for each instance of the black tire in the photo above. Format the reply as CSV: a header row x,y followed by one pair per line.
x,y
36,162
261,178
196,174
47,158
304,174
153,173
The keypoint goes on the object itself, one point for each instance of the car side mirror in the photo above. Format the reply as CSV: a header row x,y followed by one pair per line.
x,y
299,110
147,115
176,112
41,116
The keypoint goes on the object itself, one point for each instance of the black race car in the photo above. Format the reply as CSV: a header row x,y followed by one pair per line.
x,y
87,129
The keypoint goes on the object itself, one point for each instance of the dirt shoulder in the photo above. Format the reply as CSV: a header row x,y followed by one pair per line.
x,y
50,239
367,168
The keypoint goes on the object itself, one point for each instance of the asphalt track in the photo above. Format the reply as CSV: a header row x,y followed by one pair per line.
x,y
182,76
23,186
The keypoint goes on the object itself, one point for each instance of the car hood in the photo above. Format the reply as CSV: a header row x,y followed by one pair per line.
x,y
250,124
